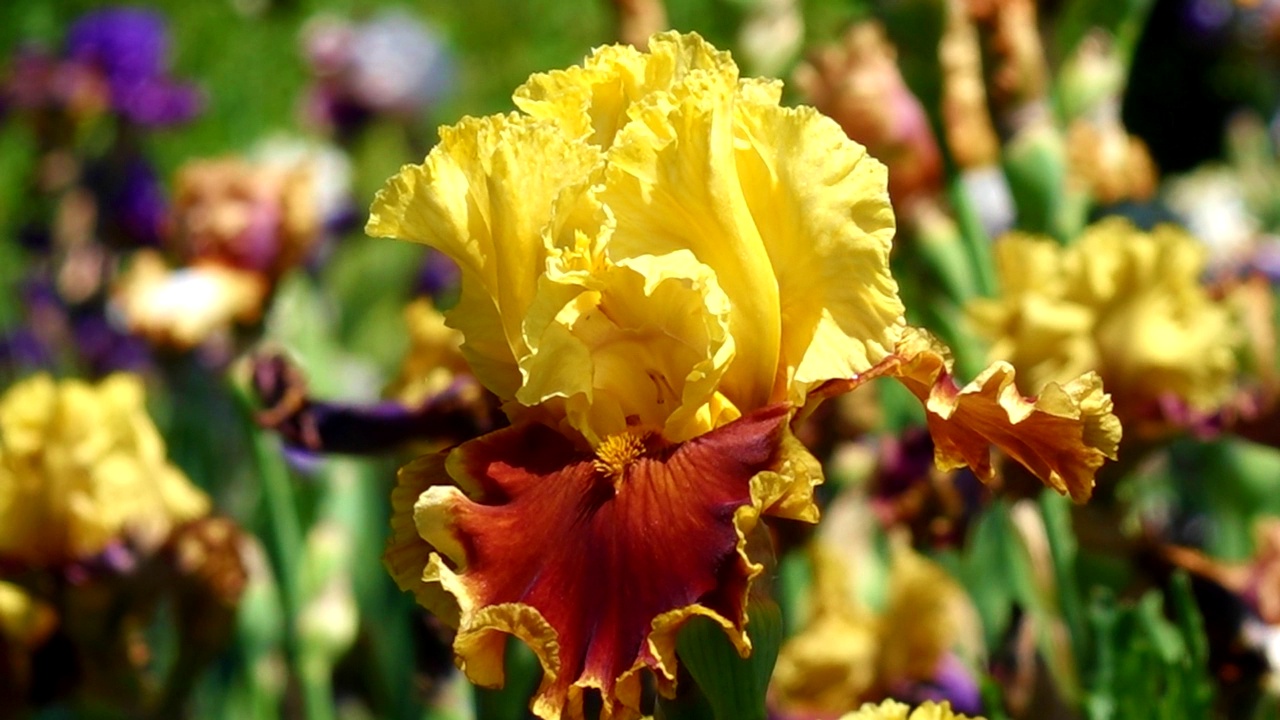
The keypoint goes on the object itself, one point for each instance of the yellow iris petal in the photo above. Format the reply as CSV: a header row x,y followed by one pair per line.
x,y
639,344
592,102
823,212
894,710
672,185
648,155
483,197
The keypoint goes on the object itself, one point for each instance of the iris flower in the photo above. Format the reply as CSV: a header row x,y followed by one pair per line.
x,y
238,225
82,467
1126,302
846,653
661,266
891,710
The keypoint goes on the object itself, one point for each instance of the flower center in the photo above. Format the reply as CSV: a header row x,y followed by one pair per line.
x,y
616,453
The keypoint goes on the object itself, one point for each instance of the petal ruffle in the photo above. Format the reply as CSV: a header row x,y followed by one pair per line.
x,y
407,554
823,211
593,101
483,197
595,573
672,185
894,710
1062,436
642,344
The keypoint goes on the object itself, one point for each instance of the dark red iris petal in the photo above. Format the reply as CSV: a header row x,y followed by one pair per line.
x,y
546,529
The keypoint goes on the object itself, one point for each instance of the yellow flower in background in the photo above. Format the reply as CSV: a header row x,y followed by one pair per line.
x,y
893,710
660,264
25,625
24,621
183,307
433,359
1109,164
831,663
845,652
82,466
1126,303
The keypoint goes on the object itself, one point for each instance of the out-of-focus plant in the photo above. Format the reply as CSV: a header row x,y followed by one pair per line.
x,y
237,226
97,529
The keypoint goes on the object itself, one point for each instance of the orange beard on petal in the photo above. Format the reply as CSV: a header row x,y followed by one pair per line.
x,y
600,557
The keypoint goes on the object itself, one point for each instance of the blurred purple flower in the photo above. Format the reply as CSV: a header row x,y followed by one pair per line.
x,y
132,205
127,44
115,59
22,350
130,47
138,206
38,80
905,460
103,348
393,63
952,682
1206,17
906,487
51,328
438,276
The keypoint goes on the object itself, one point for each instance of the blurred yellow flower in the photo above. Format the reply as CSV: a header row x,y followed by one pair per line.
x,y
1109,164
660,263
893,710
846,653
1126,303
82,466
184,307
433,359
24,621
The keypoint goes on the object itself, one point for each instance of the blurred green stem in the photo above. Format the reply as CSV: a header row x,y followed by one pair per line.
x,y
317,690
975,239
286,546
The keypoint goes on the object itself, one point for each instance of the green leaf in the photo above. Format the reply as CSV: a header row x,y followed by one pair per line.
x,y
1056,512
1035,161
510,702
734,687
1144,666
993,568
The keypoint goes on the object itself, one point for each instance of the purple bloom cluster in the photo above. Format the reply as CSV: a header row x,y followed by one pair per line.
x,y
130,47
114,59
132,204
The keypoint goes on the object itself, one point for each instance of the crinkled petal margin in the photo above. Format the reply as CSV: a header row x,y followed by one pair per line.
x,y
1063,436
894,710
468,586
407,555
